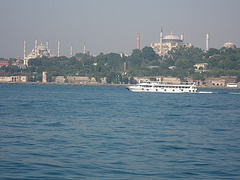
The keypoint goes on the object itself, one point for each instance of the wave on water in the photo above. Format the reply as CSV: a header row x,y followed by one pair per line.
x,y
57,124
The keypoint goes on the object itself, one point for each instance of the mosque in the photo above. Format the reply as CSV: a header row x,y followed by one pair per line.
x,y
38,51
168,42
41,50
229,44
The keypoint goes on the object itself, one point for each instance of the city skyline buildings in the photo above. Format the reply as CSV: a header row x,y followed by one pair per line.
x,y
107,29
162,46
207,45
41,50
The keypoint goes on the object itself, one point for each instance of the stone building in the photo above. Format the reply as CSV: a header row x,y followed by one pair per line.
x,y
215,82
44,77
80,80
168,42
16,79
58,79
222,81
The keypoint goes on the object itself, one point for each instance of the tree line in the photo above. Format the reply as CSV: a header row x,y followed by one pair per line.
x,y
145,62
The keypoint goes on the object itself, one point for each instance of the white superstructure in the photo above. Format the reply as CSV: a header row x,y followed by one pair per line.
x,y
232,85
154,86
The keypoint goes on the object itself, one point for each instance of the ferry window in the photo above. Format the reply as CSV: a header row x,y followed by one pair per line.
x,y
189,90
156,89
164,89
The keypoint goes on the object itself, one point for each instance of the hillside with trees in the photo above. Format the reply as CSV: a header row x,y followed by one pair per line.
x,y
221,62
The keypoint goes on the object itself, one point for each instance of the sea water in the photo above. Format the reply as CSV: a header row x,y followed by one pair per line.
x,y
73,132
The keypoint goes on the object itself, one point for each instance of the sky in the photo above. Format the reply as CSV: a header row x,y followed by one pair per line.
x,y
113,25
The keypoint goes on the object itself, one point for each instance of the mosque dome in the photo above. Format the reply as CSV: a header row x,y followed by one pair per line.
x,y
171,38
229,45
42,47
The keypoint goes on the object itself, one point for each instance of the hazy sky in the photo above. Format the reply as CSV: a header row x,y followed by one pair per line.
x,y
113,25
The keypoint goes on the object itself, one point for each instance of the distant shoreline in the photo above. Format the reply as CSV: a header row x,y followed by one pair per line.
x,y
67,84
106,85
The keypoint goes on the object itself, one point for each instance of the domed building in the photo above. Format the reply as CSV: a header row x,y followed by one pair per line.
x,y
229,44
167,43
38,51
171,39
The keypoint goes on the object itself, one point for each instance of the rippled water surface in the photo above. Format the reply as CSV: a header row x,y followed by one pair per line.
x,y
72,132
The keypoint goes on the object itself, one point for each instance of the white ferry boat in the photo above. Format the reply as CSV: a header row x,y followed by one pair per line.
x,y
152,86
232,85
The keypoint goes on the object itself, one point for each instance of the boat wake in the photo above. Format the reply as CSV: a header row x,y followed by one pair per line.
x,y
205,92
234,93
210,92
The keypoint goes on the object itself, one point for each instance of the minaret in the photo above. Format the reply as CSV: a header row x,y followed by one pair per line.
x,y
161,39
138,41
24,53
58,48
36,48
47,44
207,42
71,51
24,50
182,37
84,48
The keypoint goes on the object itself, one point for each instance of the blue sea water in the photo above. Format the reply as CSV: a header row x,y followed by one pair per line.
x,y
73,132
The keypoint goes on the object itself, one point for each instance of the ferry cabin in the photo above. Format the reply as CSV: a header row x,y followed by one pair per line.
x,y
168,88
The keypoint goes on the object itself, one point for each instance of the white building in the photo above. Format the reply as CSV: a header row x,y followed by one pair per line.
x,y
38,51
229,44
168,42
15,79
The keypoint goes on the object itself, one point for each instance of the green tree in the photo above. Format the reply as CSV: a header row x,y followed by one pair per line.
x,y
211,52
136,53
133,81
148,53
183,64
238,78
198,76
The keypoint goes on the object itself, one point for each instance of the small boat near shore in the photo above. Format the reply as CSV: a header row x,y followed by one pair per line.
x,y
155,86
